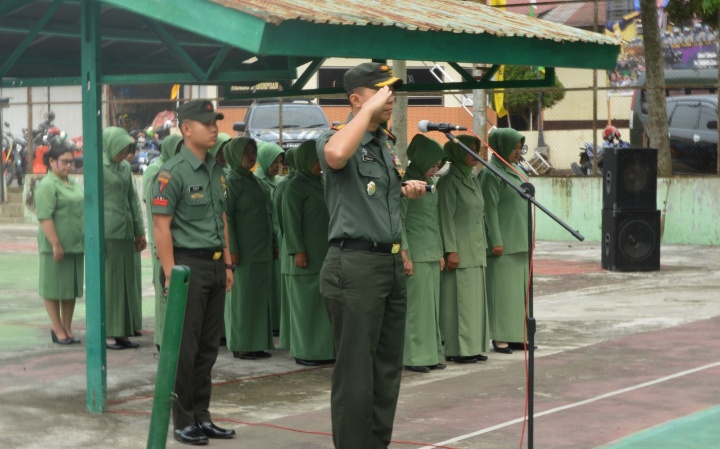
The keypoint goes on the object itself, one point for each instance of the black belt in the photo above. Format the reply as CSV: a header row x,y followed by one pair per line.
x,y
202,253
362,245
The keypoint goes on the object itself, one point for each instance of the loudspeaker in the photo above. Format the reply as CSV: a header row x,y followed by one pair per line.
x,y
630,179
631,240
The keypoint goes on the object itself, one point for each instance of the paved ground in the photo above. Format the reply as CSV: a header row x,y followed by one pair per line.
x,y
625,360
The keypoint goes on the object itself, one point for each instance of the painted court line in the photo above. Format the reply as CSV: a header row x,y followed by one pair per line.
x,y
576,404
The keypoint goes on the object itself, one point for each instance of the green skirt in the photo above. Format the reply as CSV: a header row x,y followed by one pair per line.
x,y
507,281
311,334
247,313
423,344
463,311
64,279
122,295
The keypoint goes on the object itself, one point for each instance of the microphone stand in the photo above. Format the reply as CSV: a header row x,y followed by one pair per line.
x,y
527,192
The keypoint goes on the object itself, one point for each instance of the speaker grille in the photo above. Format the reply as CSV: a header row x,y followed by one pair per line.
x,y
637,240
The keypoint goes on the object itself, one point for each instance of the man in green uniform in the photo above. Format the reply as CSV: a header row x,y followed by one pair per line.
x,y
190,229
362,279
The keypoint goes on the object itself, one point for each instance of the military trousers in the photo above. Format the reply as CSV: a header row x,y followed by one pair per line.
x,y
202,329
365,296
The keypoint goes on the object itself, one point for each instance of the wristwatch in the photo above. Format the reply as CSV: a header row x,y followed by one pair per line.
x,y
230,266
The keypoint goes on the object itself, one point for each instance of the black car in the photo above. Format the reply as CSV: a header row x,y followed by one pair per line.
x,y
300,121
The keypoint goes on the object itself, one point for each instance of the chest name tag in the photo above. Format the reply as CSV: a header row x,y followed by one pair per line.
x,y
367,157
195,189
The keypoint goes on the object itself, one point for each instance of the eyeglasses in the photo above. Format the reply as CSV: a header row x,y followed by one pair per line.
x,y
66,161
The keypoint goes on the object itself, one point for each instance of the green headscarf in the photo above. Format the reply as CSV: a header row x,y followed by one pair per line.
x,y
222,139
423,153
114,141
503,141
169,146
305,157
290,157
234,153
267,152
457,154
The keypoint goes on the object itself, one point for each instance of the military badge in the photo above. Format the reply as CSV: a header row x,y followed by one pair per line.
x,y
371,188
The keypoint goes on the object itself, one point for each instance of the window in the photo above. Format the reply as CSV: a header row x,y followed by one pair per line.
x,y
333,77
685,117
707,114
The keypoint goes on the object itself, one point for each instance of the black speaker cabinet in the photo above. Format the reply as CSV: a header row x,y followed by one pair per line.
x,y
631,240
630,179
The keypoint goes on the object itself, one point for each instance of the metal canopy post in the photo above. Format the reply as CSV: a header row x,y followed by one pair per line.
x,y
94,207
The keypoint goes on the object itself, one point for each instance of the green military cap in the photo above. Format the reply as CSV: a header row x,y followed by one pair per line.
x,y
370,74
201,111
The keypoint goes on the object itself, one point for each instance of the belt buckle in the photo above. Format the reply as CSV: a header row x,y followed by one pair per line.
x,y
217,255
395,248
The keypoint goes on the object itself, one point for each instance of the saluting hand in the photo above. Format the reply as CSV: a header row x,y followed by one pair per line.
x,y
378,102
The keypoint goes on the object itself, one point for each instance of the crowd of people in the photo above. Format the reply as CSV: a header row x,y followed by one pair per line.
x,y
348,258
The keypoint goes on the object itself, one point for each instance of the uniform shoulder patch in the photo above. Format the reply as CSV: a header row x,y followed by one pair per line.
x,y
163,178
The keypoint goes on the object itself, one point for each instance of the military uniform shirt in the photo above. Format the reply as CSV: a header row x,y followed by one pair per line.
x,y
62,203
363,198
193,192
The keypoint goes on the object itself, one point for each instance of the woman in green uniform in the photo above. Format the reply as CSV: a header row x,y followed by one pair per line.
x,y
305,221
423,259
168,148
286,262
247,314
506,220
269,163
219,149
61,241
124,235
463,308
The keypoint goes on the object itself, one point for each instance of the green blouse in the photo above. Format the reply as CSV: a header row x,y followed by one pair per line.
x,y
63,204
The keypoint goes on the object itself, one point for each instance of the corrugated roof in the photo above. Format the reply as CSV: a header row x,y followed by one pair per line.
x,y
426,15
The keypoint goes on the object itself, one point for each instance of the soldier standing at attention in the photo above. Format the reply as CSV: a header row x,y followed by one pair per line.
x,y
190,229
362,279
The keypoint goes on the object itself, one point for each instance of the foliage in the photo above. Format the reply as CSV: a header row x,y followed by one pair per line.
x,y
682,11
521,100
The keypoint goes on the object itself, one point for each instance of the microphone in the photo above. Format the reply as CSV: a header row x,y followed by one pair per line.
x,y
426,125
430,188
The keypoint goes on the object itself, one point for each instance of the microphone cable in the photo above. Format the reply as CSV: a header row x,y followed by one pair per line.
x,y
531,255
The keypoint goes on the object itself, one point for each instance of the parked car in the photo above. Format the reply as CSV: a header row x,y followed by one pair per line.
x,y
692,122
300,121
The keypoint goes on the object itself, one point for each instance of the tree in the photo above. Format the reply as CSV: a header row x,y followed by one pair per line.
x,y
708,11
657,108
525,102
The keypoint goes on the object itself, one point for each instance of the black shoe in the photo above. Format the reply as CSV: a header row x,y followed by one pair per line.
x,y
244,355
261,354
74,340
504,350
438,366
127,343
480,357
462,358
418,369
115,346
303,362
59,341
137,333
520,346
212,431
190,435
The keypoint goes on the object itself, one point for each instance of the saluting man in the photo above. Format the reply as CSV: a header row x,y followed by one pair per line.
x,y
191,229
362,279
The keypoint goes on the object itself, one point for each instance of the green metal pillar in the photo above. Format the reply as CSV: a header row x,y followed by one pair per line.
x,y
169,353
94,209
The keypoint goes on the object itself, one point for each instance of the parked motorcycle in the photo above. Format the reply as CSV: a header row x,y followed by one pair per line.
x,y
14,154
611,139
